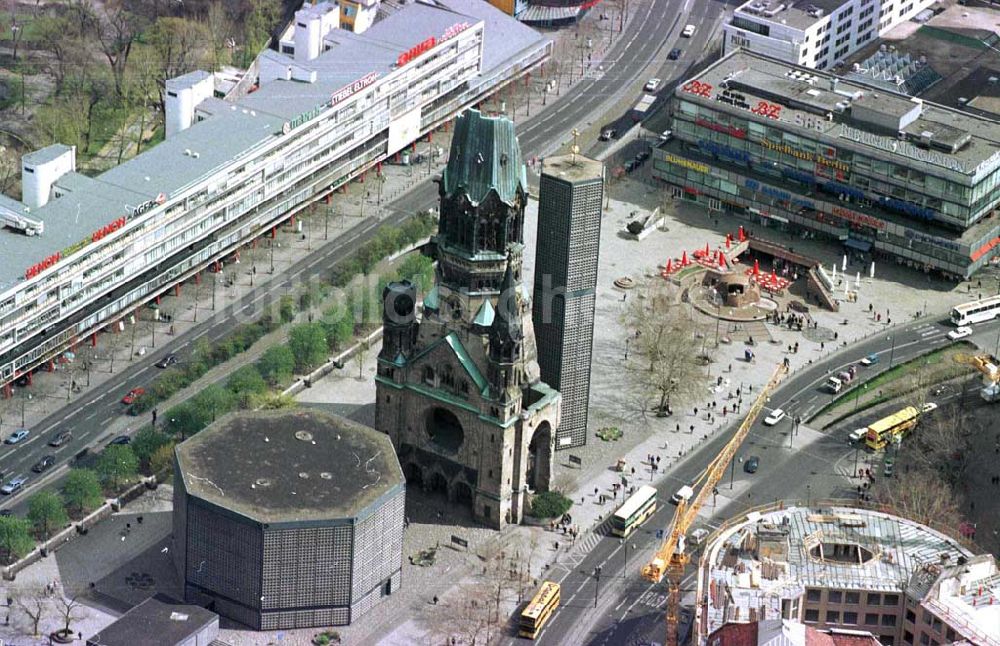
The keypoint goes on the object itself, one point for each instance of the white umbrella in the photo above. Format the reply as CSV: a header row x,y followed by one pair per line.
x,y
844,265
871,271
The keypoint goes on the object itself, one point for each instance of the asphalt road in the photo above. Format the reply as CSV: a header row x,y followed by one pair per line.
x,y
623,67
629,609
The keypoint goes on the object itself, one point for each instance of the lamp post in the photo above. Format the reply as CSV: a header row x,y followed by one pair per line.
x,y
892,349
24,399
857,395
597,583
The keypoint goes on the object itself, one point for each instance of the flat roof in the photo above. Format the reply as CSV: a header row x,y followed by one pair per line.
x,y
848,110
235,129
898,548
288,466
572,168
800,15
157,621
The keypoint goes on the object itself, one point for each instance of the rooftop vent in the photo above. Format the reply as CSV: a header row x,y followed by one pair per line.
x,y
187,152
195,155
326,475
303,475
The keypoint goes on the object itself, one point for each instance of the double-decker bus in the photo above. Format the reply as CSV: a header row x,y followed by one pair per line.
x,y
883,431
986,309
538,610
634,511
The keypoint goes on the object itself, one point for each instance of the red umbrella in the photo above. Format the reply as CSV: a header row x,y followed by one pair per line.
x,y
742,235
756,263
729,240
669,267
774,278
707,251
722,260
684,260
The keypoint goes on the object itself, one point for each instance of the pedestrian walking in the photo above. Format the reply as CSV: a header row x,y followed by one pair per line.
x,y
154,416
436,599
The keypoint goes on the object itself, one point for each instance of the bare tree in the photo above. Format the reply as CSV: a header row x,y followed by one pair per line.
x,y
35,606
69,609
59,35
10,168
942,443
178,44
220,29
923,495
665,360
116,29
360,355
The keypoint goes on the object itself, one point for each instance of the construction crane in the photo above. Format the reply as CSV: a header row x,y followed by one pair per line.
x,y
671,558
985,364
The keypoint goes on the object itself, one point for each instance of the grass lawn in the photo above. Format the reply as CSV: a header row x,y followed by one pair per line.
x,y
917,373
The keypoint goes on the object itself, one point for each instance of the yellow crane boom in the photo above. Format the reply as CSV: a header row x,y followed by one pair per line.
x,y
671,558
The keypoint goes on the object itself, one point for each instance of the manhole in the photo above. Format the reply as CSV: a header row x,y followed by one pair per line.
x,y
305,436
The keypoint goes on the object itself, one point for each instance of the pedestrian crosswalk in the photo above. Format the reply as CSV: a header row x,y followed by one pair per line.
x,y
928,330
582,547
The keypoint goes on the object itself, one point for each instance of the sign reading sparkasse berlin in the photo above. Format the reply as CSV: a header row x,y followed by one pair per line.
x,y
351,88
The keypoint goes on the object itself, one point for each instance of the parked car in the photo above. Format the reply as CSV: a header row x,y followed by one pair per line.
x,y
888,468
688,31
928,407
44,464
666,135
858,434
776,416
674,54
960,333
61,439
17,436
752,464
608,134
652,84
167,361
870,360
132,395
643,156
13,485
121,439
630,166
684,493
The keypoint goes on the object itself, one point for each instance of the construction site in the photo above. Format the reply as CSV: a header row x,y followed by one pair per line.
x,y
848,568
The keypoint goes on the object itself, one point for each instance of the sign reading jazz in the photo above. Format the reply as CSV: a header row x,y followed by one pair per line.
x,y
351,88
415,51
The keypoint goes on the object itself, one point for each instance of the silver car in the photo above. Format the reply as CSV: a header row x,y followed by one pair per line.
x,y
13,485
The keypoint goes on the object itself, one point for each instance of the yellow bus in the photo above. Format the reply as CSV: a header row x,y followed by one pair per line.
x,y
634,511
883,431
538,610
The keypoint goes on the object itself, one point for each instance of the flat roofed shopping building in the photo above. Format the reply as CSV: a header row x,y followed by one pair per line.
x,y
815,33
288,519
570,203
82,253
866,168
846,567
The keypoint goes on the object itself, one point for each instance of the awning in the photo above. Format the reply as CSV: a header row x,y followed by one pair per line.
x,y
545,15
860,245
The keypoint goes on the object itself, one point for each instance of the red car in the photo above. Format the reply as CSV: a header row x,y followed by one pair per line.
x,y
132,395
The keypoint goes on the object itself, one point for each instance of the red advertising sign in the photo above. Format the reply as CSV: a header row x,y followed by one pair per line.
x,y
415,51
107,229
857,218
698,88
765,109
38,268
739,133
454,30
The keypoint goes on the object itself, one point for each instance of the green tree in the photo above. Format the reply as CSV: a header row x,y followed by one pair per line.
x,y
286,309
213,401
162,462
245,383
260,22
82,491
277,364
15,538
47,513
179,44
339,330
117,465
308,345
146,442
419,269
186,420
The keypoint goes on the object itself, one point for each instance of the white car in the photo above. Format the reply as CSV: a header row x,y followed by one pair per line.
x,y
652,84
858,434
776,416
928,407
960,333
666,135
688,31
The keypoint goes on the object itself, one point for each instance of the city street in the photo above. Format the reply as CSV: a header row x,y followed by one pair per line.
x,y
629,609
89,417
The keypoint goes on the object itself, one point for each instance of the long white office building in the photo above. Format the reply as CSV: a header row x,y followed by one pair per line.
x,y
80,253
814,33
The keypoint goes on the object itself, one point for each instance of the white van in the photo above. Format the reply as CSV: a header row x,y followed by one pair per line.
x,y
684,493
858,434
688,31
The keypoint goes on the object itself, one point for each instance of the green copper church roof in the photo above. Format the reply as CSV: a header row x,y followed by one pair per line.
x,y
431,299
484,156
484,317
